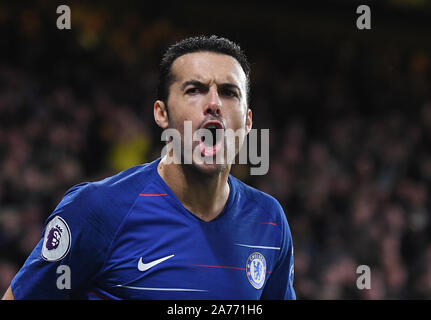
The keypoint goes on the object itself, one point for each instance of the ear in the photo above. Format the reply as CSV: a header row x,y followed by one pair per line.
x,y
161,114
248,120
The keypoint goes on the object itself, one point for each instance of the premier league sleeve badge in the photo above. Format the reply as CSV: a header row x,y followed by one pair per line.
x,y
57,240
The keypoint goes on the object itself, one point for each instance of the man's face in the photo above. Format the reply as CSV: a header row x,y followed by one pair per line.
x,y
209,89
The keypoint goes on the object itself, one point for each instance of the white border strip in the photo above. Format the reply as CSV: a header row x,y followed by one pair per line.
x,y
258,247
160,289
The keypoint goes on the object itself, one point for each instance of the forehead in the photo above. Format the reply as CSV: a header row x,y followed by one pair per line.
x,y
208,66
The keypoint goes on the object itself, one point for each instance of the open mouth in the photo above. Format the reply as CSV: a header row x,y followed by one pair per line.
x,y
210,145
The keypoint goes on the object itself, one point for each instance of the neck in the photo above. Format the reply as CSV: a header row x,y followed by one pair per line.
x,y
204,195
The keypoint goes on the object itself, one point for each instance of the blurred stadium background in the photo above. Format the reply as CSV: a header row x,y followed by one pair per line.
x,y
349,114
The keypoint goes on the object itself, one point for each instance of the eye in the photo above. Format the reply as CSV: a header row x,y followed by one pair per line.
x,y
192,90
229,93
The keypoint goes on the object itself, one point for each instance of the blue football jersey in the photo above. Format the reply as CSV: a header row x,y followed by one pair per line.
x,y
129,237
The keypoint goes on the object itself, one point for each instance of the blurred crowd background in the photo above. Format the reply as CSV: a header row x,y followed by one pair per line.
x,y
349,114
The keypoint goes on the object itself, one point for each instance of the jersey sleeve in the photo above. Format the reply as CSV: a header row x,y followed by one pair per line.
x,y
280,283
70,253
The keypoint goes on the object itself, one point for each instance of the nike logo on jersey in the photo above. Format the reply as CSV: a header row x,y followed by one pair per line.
x,y
145,266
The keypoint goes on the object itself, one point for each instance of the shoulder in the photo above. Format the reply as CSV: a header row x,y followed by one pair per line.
x,y
123,185
103,204
267,203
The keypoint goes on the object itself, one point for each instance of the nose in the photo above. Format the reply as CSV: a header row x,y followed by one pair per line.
x,y
213,104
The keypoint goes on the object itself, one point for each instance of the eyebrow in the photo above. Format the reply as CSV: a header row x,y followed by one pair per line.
x,y
192,82
198,83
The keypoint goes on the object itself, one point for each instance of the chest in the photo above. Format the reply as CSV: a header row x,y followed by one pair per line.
x,y
167,255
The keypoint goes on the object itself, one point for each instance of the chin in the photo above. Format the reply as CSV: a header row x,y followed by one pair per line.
x,y
209,169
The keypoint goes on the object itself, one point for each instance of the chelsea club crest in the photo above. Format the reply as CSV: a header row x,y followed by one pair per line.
x,y
256,269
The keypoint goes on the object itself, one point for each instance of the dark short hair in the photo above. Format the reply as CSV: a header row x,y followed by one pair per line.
x,y
197,44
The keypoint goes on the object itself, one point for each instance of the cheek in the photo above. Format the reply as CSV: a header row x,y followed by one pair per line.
x,y
180,111
237,118
179,121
